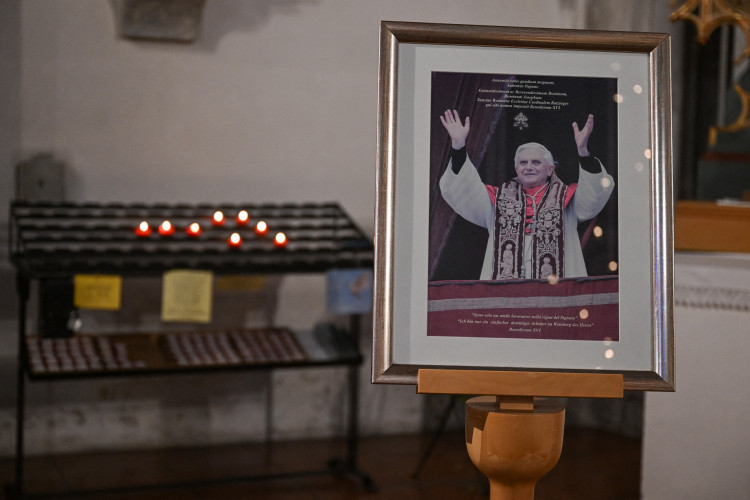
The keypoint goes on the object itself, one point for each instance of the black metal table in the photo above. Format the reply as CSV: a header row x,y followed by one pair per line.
x,y
60,240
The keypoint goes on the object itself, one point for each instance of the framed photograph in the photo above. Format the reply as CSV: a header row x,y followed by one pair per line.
x,y
524,203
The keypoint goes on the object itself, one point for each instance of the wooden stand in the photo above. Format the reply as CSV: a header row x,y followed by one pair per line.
x,y
512,438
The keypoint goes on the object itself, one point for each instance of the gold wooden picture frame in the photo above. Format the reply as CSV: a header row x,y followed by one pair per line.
x,y
550,68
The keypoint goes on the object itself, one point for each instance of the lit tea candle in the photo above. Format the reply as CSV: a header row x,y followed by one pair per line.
x,y
280,240
166,228
194,229
218,218
235,240
261,228
242,217
143,229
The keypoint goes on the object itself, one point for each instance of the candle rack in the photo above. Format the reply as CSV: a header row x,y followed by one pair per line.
x,y
59,239
52,242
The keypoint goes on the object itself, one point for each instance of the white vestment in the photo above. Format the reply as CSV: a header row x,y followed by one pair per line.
x,y
468,196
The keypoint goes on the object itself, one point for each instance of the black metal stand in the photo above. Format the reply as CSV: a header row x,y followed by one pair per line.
x,y
435,436
22,288
349,466
61,240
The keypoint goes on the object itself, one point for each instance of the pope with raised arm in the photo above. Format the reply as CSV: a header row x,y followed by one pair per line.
x,y
532,219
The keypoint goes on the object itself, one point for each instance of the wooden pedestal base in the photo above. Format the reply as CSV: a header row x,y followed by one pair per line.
x,y
511,437
513,448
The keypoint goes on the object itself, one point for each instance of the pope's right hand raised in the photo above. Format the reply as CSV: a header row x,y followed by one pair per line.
x,y
456,130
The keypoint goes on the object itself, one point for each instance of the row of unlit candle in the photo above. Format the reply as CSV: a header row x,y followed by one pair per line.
x,y
74,354
222,348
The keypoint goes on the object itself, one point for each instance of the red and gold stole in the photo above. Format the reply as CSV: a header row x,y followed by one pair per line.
x,y
543,223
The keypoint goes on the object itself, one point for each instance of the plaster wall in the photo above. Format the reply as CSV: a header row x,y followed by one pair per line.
x,y
275,101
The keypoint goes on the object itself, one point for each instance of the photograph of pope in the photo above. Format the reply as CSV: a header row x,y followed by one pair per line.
x,y
532,220
524,206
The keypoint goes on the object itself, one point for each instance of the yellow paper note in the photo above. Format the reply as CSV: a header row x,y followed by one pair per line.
x,y
187,296
97,291
240,283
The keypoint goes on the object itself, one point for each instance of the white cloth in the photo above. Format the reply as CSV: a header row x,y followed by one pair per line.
x,y
467,195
